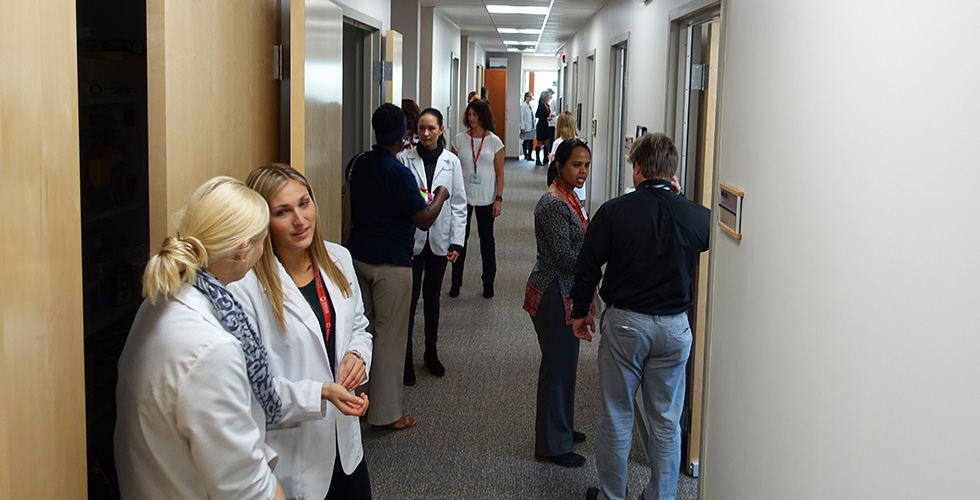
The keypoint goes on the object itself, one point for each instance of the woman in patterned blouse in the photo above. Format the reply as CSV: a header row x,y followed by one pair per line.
x,y
560,223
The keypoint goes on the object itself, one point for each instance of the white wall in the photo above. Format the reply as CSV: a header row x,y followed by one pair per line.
x,y
378,9
844,340
406,19
439,42
539,63
647,26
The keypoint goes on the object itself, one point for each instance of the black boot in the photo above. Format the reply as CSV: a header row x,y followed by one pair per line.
x,y
432,362
537,156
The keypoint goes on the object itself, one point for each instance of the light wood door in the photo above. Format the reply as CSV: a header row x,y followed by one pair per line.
x,y
211,97
42,380
703,189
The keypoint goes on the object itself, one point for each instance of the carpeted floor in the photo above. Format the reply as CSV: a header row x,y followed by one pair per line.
x,y
475,432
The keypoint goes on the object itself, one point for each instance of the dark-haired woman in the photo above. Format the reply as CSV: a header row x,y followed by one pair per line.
x,y
481,154
560,223
527,126
545,130
442,243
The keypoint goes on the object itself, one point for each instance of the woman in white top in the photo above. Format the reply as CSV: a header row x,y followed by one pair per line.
x,y
565,130
433,166
527,126
305,300
195,392
481,153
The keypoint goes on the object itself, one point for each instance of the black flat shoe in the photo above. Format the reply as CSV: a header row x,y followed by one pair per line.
x,y
433,364
578,437
488,291
454,291
592,493
569,459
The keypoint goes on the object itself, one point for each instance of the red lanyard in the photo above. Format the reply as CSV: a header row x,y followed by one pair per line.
x,y
476,154
322,295
576,206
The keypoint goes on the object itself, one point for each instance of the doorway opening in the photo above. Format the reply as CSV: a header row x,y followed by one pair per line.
x,y
362,93
589,126
114,194
618,142
693,84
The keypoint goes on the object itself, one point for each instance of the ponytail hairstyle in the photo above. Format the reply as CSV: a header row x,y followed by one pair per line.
x,y
436,113
218,218
268,180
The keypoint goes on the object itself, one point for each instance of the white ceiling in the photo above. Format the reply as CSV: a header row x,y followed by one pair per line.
x,y
566,17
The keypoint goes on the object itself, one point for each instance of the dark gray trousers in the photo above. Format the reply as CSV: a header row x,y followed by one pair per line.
x,y
553,424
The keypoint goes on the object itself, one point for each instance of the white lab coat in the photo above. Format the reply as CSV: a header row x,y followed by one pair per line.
x,y
298,359
449,227
188,425
527,123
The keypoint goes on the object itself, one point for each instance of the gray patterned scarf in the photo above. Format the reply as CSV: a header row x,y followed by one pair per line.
x,y
256,358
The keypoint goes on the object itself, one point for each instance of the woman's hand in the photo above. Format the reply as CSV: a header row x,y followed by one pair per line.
x,y
351,372
347,403
452,255
496,209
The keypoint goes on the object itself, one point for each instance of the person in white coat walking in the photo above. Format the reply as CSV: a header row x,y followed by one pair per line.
x,y
195,392
433,166
527,126
305,299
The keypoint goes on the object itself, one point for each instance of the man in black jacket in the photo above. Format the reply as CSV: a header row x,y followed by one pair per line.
x,y
650,241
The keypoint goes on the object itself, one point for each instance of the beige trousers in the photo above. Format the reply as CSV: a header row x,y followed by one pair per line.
x,y
387,294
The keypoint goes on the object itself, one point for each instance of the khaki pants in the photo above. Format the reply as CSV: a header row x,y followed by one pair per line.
x,y
387,294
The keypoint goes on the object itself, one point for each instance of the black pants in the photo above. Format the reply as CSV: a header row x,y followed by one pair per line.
x,y
428,269
356,486
553,421
488,249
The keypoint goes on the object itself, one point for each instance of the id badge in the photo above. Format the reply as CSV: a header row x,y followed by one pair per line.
x,y
475,179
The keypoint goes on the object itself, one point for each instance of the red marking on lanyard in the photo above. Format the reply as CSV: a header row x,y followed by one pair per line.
x,y
321,294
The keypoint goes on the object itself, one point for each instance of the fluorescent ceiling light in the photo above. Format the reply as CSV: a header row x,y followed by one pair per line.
x,y
518,31
512,49
515,42
517,9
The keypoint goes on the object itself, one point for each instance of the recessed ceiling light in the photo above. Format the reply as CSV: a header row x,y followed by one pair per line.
x,y
517,9
518,31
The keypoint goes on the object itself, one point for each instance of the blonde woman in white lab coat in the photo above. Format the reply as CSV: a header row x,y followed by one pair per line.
x,y
194,392
306,302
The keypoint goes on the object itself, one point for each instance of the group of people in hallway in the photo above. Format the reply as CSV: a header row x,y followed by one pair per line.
x,y
643,246
538,125
247,367
261,345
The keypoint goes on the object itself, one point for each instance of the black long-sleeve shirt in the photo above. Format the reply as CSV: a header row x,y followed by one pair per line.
x,y
650,241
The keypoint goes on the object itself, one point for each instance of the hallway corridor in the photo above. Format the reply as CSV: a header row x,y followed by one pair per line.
x,y
474,438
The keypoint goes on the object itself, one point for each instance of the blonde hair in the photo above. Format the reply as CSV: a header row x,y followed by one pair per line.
x,y
268,180
218,218
565,126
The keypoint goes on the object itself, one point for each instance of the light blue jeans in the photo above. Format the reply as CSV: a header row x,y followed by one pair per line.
x,y
649,353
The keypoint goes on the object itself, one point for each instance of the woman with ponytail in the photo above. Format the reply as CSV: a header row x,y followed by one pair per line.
x,y
304,298
195,392
442,243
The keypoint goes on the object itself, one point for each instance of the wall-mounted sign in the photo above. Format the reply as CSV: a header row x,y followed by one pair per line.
x,y
730,210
